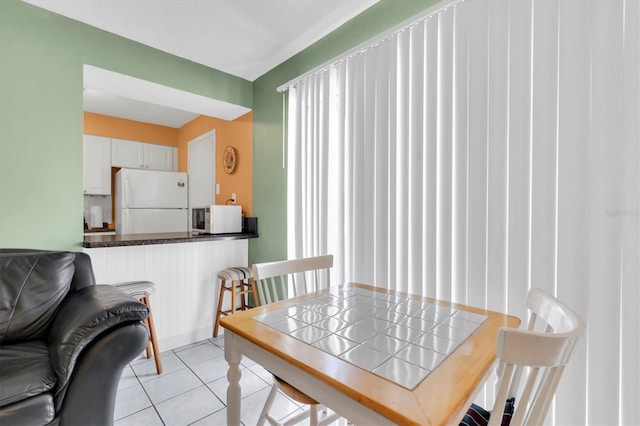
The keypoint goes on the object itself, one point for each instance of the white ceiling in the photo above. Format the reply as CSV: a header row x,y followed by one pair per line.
x,y
245,38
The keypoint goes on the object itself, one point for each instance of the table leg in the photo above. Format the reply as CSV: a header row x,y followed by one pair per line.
x,y
233,357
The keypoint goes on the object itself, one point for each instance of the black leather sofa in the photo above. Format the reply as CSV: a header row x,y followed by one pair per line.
x,y
64,340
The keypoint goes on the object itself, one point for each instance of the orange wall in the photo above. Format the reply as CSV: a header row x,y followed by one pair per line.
x,y
237,133
104,125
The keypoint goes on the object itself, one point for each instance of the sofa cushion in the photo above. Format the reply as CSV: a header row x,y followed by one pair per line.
x,y
25,370
31,289
478,416
37,410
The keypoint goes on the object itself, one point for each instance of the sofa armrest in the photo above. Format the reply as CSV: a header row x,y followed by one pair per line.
x,y
83,316
90,396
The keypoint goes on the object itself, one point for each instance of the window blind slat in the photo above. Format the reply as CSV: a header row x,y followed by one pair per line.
x,y
603,340
385,66
544,143
519,136
573,157
430,165
460,135
336,172
444,161
478,99
497,155
400,211
392,142
415,158
630,269
368,188
381,202
351,124
322,193
294,134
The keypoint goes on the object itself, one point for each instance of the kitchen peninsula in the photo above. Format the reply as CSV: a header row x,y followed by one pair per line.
x,y
184,268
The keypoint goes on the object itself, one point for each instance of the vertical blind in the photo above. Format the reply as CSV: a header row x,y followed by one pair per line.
x,y
485,148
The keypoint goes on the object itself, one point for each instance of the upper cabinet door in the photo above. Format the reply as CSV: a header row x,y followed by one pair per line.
x,y
140,155
127,154
158,157
96,165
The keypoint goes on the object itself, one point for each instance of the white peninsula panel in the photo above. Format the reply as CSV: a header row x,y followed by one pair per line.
x,y
186,278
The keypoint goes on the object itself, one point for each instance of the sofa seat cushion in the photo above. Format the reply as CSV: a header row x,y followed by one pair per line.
x,y
25,370
37,410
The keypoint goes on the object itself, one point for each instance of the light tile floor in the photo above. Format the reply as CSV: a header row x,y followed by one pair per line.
x,y
192,390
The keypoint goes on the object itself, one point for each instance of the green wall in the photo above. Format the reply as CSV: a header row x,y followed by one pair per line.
x,y
41,60
269,177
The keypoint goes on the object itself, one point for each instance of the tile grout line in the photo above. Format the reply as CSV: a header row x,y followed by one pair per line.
x,y
175,352
186,366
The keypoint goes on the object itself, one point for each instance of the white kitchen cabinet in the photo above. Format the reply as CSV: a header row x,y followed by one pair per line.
x,y
127,154
140,155
96,165
159,157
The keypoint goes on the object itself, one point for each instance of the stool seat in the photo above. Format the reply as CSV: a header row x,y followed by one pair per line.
x,y
137,288
238,273
142,290
238,281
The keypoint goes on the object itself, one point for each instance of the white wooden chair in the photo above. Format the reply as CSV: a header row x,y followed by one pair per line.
x,y
280,280
531,361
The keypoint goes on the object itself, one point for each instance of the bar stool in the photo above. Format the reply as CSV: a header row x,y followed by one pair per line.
x,y
142,290
234,280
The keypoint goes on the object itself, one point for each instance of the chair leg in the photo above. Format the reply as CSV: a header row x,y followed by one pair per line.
x,y
267,405
220,300
313,415
154,337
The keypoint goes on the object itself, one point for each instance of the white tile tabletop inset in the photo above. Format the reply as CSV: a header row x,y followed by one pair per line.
x,y
399,339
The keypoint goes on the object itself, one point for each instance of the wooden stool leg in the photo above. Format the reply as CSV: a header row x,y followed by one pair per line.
x,y
233,296
253,291
218,313
243,295
154,337
238,288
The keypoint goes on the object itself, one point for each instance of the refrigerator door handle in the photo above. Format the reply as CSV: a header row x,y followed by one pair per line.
x,y
125,195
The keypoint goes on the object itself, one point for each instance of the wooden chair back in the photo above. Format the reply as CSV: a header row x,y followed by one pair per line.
x,y
280,280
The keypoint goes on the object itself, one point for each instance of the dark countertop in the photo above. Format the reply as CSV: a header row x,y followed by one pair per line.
x,y
122,240
98,230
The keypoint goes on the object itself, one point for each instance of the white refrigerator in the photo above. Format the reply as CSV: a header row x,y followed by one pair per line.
x,y
149,201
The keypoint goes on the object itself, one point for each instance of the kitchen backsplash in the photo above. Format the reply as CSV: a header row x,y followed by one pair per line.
x,y
103,201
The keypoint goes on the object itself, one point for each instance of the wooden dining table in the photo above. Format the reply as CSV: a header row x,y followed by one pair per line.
x,y
374,356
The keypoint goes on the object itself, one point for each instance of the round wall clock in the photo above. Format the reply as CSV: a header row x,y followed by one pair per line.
x,y
229,159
